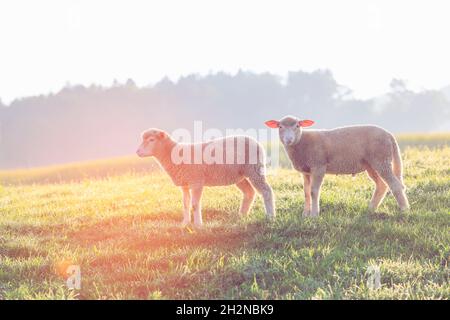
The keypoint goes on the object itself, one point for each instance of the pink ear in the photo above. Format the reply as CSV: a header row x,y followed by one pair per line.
x,y
272,123
305,123
162,135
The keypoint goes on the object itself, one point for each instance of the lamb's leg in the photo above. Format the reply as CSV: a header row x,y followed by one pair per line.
x,y
316,183
384,169
186,206
197,205
261,185
380,189
249,195
307,190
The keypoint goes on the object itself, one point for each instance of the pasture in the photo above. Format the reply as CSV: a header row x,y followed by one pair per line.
x,y
119,221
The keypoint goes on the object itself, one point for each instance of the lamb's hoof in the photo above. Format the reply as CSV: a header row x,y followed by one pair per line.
x,y
184,224
405,210
314,214
198,225
306,214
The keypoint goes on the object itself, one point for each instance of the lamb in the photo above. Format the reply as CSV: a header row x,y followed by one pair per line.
x,y
345,150
238,160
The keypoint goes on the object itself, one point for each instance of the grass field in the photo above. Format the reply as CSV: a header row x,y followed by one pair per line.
x,y
119,221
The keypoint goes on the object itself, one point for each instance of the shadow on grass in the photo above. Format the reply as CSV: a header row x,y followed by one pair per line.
x,y
159,231
151,252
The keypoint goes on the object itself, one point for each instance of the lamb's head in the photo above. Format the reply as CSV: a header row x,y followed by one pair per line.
x,y
290,128
154,142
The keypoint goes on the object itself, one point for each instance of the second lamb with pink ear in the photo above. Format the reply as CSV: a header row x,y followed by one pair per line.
x,y
345,150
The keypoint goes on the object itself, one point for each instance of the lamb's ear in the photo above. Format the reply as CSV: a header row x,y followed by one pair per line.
x,y
272,123
162,135
305,123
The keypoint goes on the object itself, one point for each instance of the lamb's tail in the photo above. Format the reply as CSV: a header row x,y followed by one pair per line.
x,y
397,161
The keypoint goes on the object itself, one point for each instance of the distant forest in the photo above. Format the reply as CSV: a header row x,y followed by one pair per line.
x,y
81,123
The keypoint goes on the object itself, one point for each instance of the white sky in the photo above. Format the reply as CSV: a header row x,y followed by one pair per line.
x,y
44,44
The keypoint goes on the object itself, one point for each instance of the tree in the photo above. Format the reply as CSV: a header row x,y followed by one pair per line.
x,y
398,85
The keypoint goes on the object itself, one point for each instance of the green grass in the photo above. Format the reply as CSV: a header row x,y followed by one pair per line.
x,y
122,228
424,139
103,168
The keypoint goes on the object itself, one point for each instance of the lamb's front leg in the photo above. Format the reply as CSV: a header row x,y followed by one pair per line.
x,y
316,182
307,191
197,204
186,206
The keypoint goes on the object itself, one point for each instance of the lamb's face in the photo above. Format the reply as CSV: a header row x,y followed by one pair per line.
x,y
289,128
152,141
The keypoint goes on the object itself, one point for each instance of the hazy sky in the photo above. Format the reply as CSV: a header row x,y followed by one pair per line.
x,y
44,44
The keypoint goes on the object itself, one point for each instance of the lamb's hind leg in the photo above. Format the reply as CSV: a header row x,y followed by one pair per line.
x,y
316,182
384,169
258,180
186,206
249,195
380,189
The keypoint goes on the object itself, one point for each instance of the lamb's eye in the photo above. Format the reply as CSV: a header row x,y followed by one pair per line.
x,y
151,140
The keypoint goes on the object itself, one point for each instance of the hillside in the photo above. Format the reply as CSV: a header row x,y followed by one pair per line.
x,y
122,229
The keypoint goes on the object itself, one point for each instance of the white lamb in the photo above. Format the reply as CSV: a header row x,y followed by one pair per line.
x,y
346,150
237,160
